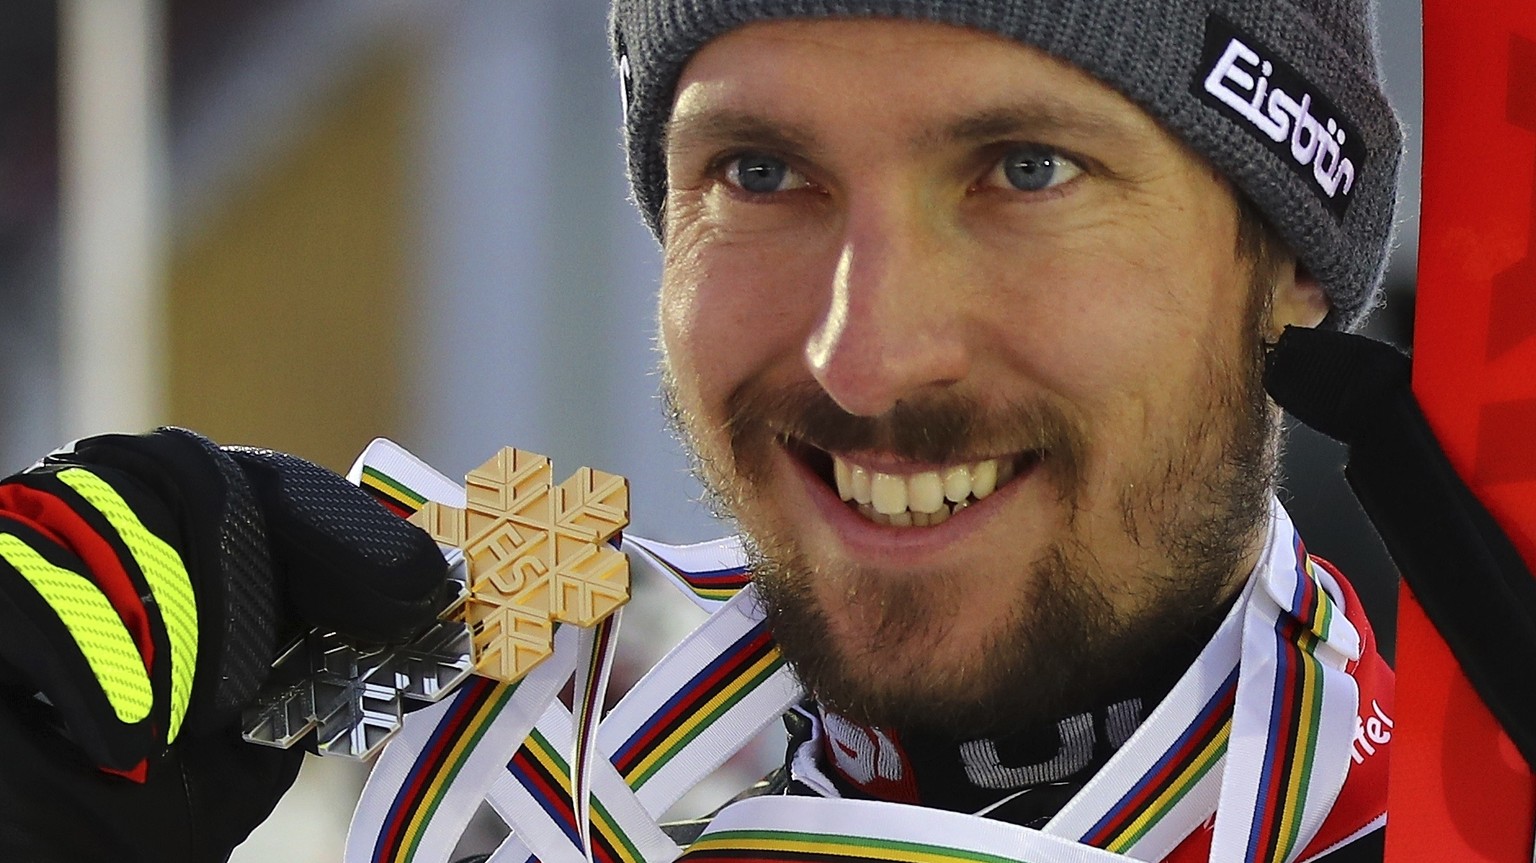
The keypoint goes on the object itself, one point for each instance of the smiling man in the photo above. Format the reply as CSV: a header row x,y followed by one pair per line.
x,y
963,315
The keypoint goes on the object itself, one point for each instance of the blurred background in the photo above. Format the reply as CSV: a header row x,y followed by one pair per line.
x,y
304,224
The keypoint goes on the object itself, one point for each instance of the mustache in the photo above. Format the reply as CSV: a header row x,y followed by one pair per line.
x,y
938,428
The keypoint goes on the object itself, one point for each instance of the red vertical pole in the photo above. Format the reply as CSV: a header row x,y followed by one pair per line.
x,y
1459,790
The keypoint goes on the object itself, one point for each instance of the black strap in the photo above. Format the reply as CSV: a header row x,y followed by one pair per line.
x,y
1462,568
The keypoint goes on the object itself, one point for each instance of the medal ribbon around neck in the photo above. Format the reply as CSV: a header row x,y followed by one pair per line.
x,y
1286,708
1296,703
1271,685
714,691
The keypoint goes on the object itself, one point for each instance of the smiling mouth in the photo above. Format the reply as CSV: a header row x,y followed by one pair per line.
x,y
912,498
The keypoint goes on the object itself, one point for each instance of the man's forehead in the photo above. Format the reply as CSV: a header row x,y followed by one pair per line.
x,y
791,81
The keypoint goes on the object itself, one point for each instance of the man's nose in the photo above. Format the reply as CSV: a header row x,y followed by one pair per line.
x,y
895,320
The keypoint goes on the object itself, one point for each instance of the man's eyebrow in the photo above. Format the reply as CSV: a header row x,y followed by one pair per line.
x,y
715,127
721,127
1044,119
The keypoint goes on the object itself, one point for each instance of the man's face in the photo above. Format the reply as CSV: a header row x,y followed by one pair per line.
x,y
946,275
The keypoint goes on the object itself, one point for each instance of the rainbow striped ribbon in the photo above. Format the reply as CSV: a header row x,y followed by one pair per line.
x,y
1166,779
432,777
400,480
709,573
698,706
1283,712
1176,778
594,664
534,798
1290,736
823,830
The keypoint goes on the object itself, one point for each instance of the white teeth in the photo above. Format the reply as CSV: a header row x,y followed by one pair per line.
x,y
919,499
984,478
889,493
957,483
858,479
925,492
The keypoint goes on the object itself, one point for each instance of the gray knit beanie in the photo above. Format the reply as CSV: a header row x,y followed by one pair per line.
x,y
1283,96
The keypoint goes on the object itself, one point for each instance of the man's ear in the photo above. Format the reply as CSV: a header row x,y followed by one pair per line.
x,y
1298,301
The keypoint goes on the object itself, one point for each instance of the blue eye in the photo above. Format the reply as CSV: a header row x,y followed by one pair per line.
x,y
1034,168
762,174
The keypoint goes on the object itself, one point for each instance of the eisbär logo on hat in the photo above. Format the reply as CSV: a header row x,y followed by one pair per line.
x,y
1280,108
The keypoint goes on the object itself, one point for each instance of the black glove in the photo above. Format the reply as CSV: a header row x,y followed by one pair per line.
x,y
145,583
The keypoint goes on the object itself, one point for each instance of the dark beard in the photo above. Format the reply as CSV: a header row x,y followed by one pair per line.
x,y
1064,648
1031,670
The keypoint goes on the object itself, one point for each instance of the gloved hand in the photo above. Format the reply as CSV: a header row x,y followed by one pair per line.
x,y
145,583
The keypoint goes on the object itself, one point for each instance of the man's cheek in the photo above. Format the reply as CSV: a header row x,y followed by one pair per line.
x,y
686,350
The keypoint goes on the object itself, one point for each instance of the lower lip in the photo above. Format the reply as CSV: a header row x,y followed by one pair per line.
x,y
869,542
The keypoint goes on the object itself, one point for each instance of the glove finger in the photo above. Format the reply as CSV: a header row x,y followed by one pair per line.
x,y
61,637
346,563
223,541
98,606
